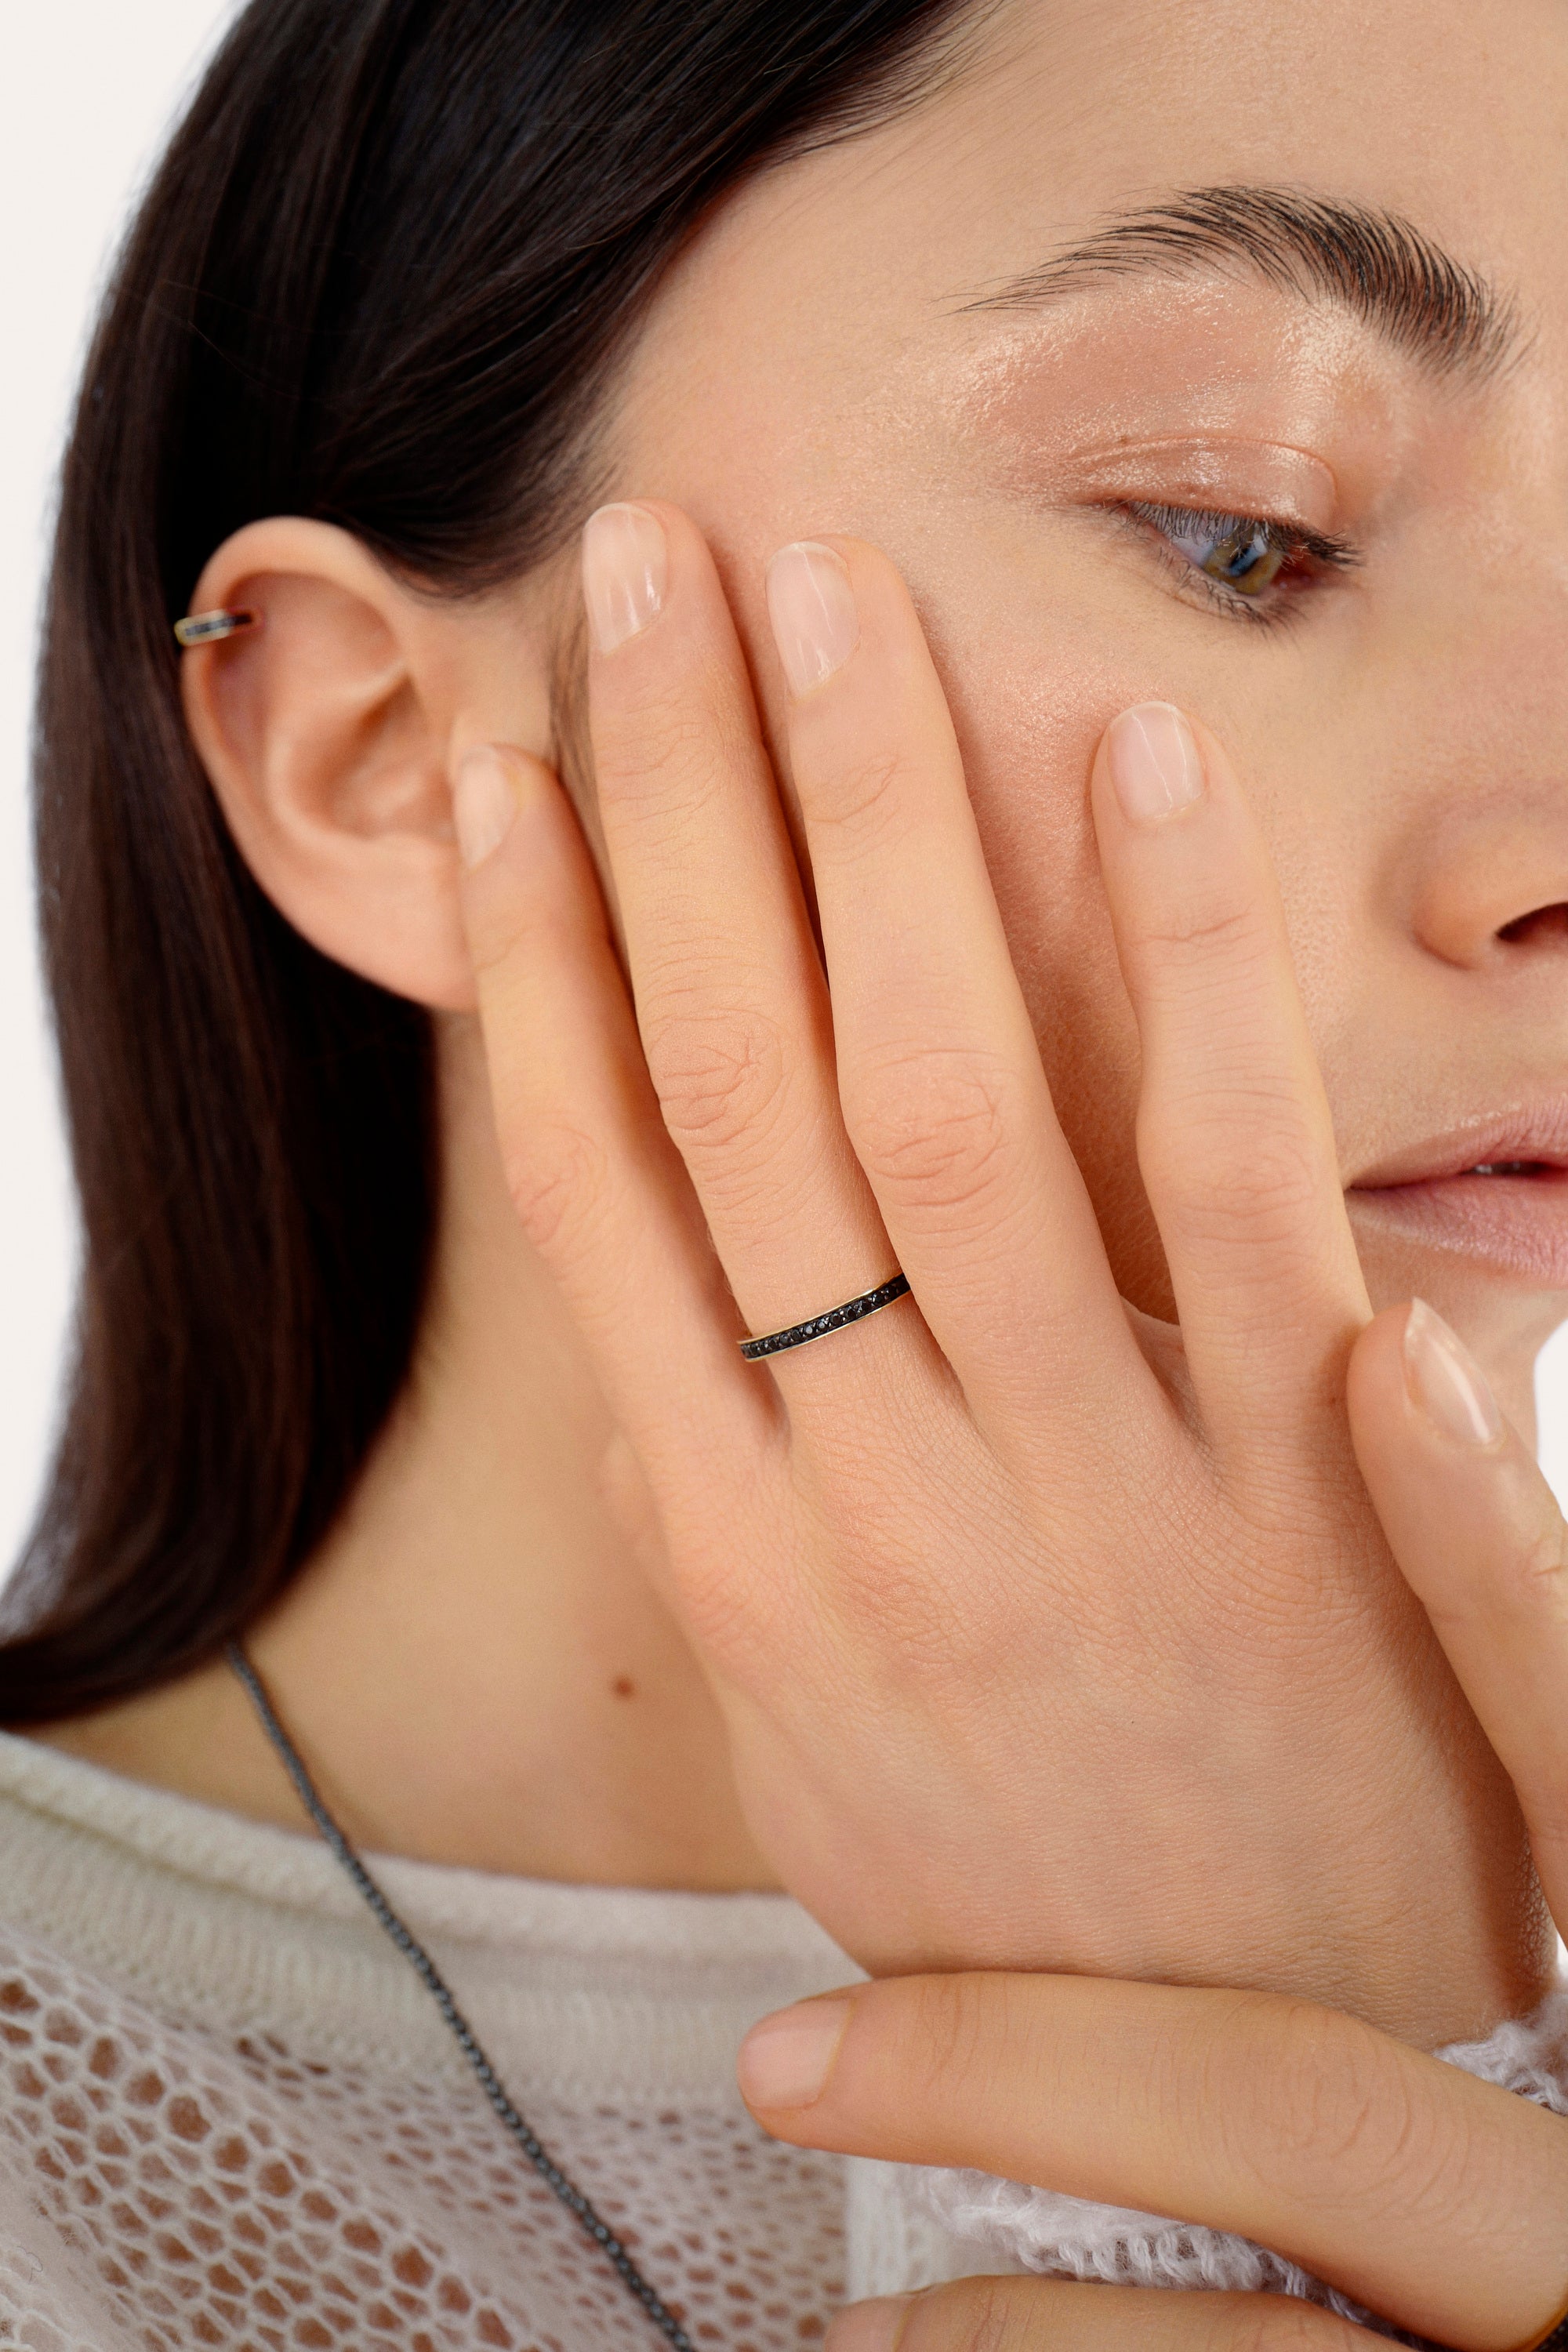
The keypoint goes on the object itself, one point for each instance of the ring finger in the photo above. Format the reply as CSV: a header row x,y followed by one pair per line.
x,y
731,998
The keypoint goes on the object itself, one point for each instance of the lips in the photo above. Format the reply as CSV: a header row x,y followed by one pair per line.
x,y
1496,1191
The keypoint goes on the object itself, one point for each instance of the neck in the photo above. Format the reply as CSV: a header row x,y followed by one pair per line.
x,y
474,1665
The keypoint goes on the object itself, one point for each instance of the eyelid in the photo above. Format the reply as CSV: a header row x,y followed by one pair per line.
x,y
1236,478
1168,518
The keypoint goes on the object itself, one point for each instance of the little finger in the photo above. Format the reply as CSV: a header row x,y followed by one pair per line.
x,y
595,1180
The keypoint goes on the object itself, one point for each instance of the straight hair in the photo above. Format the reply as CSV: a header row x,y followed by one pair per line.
x,y
382,278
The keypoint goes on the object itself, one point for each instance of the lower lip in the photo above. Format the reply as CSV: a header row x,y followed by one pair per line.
x,y
1517,1223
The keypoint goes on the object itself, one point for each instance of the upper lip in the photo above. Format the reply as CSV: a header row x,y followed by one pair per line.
x,y
1539,1136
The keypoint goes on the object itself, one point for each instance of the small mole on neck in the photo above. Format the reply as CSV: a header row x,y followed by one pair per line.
x,y
624,1686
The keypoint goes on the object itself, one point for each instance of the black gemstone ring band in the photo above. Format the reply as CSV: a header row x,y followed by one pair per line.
x,y
854,1311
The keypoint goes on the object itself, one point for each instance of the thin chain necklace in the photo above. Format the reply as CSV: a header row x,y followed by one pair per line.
x,y
424,1967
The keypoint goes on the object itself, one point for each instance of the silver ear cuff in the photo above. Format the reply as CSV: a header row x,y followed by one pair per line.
x,y
206,629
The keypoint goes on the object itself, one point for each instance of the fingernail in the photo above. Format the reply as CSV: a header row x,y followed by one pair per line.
x,y
868,2327
483,804
1155,762
1446,1381
812,607
784,2061
625,567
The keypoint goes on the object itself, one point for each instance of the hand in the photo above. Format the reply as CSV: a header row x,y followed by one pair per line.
x,y
1438,2201
1043,1636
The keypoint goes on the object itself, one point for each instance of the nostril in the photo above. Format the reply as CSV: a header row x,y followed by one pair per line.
x,y
1545,927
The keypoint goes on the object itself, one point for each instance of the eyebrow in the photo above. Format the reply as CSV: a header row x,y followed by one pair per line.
x,y
1373,264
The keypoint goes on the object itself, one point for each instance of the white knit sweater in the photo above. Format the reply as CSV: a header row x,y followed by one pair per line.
x,y
229,2114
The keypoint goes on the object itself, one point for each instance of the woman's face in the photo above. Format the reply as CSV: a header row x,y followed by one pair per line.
x,y
1071,455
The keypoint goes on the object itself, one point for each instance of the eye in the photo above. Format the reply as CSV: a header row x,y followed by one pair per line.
x,y
1247,555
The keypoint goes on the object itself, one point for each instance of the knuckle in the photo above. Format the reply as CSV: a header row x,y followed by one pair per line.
x,y
1327,2113
668,739
718,1074
558,1185
1201,930
499,931
979,2315
1279,2323
933,1128
862,798
1239,1162
1537,1574
954,2023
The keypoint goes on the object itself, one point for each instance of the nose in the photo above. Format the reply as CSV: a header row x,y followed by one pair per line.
x,y
1492,892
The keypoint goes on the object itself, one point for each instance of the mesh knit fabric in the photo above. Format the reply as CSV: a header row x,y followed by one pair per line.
x,y
184,2193
230,2115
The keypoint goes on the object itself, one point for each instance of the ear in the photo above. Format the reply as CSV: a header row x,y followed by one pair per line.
x,y
331,731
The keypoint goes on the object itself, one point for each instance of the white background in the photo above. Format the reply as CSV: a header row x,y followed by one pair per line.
x,y
86,92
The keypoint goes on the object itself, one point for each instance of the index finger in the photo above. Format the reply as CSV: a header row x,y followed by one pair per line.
x,y
1477,1532
1436,2200
1236,1143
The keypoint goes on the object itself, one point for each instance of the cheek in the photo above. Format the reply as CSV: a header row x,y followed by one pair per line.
x,y
1029,714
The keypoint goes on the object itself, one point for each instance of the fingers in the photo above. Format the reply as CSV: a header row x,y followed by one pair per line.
x,y
939,1073
1477,1530
1235,1140
597,1188
1031,2315
731,999
1436,2200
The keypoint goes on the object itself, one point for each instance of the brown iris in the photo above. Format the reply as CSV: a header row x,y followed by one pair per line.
x,y
1245,559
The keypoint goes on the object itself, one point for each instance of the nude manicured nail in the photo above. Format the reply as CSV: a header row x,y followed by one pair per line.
x,y
1155,762
868,2327
812,607
1446,1381
483,804
626,570
785,2060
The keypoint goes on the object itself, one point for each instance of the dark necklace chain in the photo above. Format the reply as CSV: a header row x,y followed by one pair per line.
x,y
414,1952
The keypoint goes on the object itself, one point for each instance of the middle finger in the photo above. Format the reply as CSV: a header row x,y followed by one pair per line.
x,y
940,1074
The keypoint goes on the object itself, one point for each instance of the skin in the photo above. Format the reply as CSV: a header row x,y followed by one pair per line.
x,y
808,369
1430,2198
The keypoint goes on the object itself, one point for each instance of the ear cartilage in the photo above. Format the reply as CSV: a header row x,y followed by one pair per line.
x,y
206,629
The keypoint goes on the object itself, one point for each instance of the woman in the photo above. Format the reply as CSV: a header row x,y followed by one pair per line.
x,y
1006,1628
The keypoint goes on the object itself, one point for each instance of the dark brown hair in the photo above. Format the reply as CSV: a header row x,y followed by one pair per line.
x,y
380,278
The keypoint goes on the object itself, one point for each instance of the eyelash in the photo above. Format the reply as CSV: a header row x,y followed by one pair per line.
x,y
1312,556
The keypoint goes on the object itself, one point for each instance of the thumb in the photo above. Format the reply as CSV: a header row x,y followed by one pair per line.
x,y
1477,1533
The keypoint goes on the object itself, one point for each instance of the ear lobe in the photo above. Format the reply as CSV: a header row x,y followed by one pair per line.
x,y
324,734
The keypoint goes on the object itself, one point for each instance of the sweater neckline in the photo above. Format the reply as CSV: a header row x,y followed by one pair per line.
x,y
228,1851
228,1926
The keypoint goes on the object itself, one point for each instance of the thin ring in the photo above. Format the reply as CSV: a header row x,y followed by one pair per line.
x,y
854,1311
206,629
